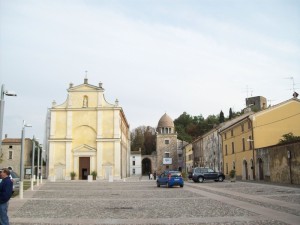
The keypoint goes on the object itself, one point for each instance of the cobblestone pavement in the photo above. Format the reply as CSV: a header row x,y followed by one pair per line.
x,y
141,202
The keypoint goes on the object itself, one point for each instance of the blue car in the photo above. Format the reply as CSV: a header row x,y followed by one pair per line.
x,y
170,179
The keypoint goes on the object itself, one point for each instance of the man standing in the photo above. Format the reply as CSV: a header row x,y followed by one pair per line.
x,y
6,187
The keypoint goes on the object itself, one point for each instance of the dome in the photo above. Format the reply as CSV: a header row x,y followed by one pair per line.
x,y
165,121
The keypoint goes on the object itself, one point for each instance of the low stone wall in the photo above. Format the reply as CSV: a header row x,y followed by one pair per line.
x,y
281,163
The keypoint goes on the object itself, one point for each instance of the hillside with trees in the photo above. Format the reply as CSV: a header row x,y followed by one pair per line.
x,y
188,128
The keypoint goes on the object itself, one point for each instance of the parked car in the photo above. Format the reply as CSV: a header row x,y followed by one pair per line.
x,y
170,179
200,174
14,178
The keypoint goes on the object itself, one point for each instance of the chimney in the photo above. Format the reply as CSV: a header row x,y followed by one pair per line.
x,y
71,85
5,136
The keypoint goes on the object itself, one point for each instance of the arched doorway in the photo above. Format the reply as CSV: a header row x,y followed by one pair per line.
x,y
260,169
252,170
245,170
146,166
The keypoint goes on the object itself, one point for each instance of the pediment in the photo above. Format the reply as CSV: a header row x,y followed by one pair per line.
x,y
84,87
84,148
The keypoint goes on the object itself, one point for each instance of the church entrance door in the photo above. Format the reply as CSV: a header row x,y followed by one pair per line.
x,y
84,168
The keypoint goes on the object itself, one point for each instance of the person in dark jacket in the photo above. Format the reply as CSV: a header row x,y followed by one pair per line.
x,y
6,187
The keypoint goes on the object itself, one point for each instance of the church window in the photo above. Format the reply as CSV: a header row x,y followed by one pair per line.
x,y
167,142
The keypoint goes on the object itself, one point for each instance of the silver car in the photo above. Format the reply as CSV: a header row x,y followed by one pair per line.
x,y
15,179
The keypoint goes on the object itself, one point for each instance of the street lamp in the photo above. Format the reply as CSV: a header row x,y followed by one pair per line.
x,y
42,166
32,161
22,158
253,161
8,93
38,165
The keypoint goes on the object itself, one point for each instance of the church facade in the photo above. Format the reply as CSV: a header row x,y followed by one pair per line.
x,y
88,135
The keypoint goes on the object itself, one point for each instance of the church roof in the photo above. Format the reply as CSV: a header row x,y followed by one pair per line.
x,y
165,121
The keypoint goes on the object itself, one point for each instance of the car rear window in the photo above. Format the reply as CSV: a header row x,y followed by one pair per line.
x,y
13,174
175,174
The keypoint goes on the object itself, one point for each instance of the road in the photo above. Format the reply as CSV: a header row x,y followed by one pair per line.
x,y
141,202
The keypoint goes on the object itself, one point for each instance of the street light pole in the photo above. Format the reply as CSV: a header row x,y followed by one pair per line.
x,y
41,163
38,166
32,161
8,93
22,159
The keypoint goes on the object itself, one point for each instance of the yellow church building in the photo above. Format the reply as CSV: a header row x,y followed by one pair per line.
x,y
87,135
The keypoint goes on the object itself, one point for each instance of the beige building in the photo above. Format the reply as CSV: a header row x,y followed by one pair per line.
x,y
88,134
11,154
188,157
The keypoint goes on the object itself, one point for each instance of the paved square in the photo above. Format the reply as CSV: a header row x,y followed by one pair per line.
x,y
141,202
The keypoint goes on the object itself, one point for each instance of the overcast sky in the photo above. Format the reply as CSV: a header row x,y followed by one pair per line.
x,y
171,56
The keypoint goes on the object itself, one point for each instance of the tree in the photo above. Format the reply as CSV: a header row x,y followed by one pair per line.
x,y
221,117
143,138
149,140
289,138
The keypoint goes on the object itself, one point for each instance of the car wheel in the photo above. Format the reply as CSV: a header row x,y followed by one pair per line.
x,y
220,178
158,185
216,180
200,179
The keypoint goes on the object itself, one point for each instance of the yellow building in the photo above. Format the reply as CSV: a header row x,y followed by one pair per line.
x,y
88,134
238,151
188,157
270,124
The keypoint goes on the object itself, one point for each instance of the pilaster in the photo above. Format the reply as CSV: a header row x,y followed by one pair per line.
x,y
116,124
117,159
68,160
99,158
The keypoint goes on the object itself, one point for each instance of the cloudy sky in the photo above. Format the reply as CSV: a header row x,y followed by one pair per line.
x,y
155,56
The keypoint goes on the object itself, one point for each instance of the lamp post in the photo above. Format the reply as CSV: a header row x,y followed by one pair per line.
x,y
42,166
38,166
22,158
8,93
32,162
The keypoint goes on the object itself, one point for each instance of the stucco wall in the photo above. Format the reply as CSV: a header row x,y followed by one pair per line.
x,y
277,166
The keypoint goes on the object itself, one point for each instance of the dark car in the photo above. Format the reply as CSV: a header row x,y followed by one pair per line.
x,y
200,174
170,179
